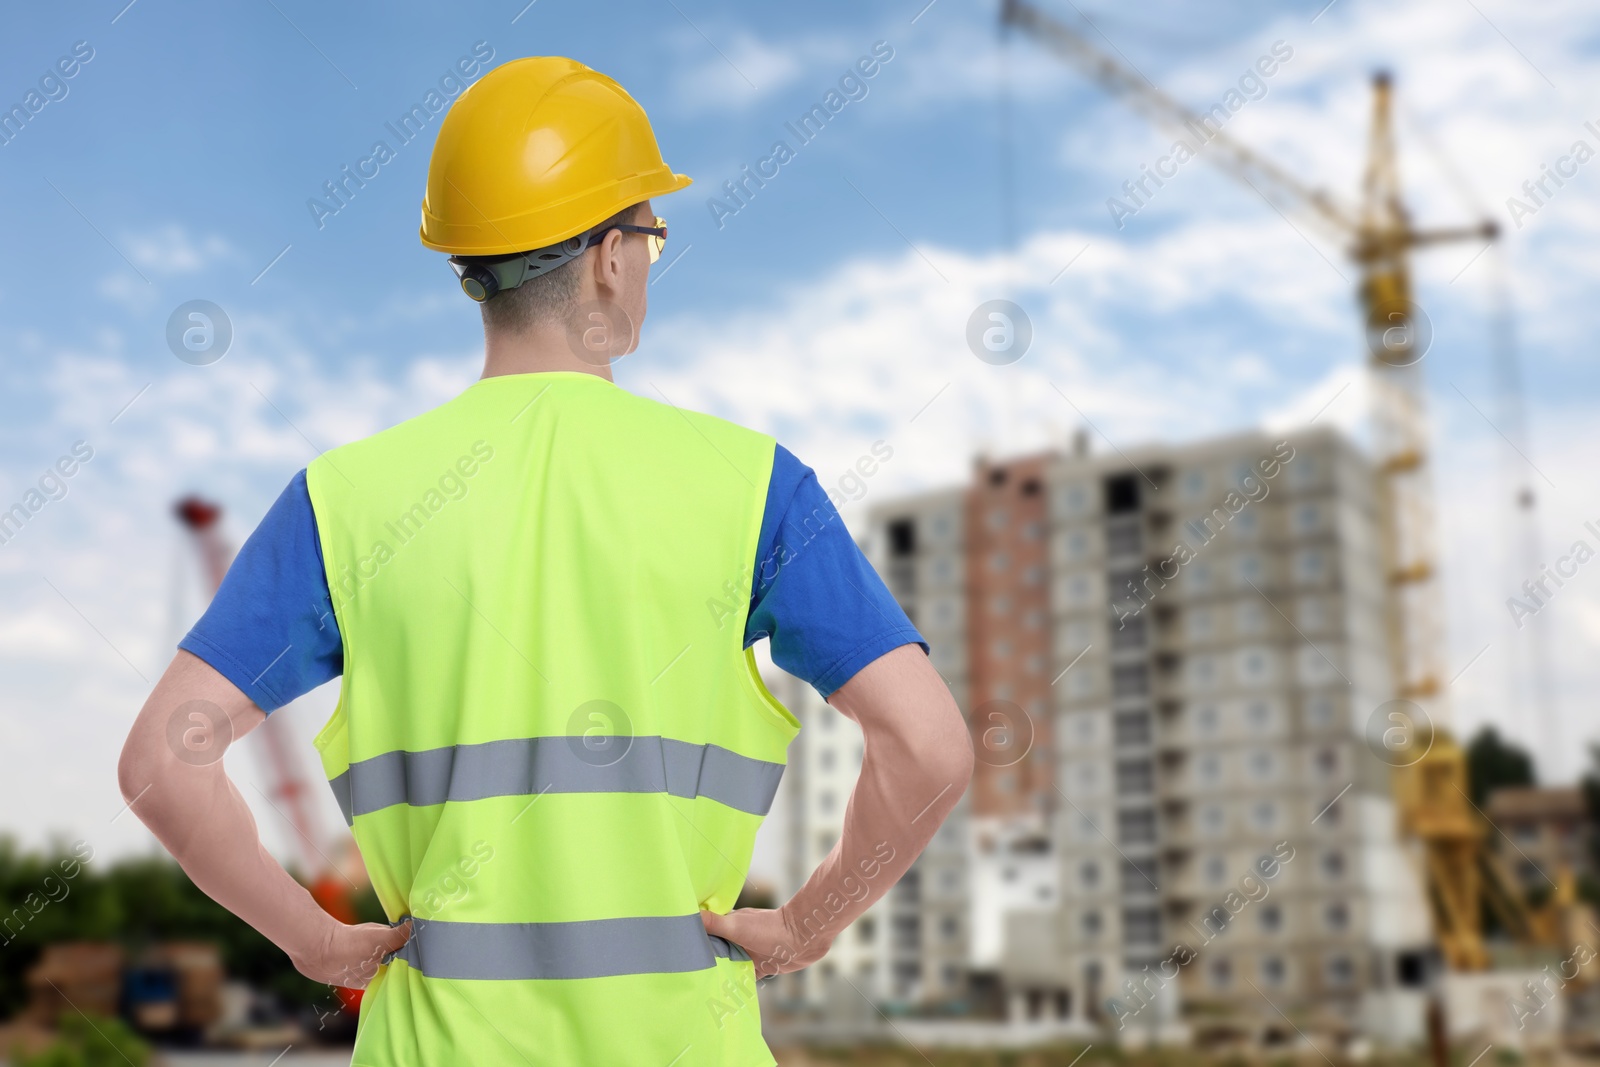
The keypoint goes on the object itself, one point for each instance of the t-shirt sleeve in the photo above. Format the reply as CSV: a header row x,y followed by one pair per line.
x,y
814,596
270,629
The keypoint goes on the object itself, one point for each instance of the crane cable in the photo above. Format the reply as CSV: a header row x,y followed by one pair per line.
x,y
1007,162
1528,676
1522,535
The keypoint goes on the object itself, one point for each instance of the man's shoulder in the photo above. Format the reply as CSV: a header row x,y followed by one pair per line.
x,y
662,421
337,472
671,413
422,429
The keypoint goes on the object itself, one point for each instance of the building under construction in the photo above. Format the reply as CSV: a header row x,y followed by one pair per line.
x,y
1190,817
1173,655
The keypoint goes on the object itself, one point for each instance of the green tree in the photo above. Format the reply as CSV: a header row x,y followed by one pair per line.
x,y
134,902
1590,783
86,1042
1493,762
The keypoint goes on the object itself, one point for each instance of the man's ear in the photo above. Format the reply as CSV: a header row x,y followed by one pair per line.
x,y
606,263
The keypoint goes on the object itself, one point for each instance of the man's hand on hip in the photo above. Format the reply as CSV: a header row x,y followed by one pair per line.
x,y
766,935
916,763
187,800
349,956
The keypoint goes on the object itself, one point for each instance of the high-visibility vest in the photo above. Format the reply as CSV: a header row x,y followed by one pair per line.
x,y
550,743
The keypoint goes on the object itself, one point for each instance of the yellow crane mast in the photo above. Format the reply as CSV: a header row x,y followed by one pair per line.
x,y
1378,237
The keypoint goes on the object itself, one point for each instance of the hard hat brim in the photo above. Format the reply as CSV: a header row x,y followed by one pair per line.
x,y
493,237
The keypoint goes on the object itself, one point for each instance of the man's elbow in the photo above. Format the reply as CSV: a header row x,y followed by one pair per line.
x,y
137,767
948,756
959,757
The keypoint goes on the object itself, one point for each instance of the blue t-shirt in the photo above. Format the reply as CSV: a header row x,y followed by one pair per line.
x,y
270,629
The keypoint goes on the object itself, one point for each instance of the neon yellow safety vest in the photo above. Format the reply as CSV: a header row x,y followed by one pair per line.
x,y
550,743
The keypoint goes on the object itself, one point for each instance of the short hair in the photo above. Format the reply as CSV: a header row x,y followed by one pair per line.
x,y
547,297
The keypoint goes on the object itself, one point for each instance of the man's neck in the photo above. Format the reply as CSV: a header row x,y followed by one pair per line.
x,y
538,350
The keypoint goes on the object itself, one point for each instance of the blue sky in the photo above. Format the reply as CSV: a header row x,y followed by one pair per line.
x,y
827,311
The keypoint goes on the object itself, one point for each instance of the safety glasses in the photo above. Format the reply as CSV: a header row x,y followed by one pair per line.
x,y
482,278
656,233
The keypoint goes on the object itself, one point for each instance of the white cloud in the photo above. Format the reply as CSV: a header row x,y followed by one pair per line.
x,y
1341,398
167,252
954,53
173,250
38,635
128,290
735,74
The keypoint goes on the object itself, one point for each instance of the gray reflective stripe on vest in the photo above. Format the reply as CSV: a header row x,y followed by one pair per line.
x,y
721,946
341,793
537,765
597,948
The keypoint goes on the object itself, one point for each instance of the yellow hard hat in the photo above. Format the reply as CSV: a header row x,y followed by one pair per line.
x,y
536,151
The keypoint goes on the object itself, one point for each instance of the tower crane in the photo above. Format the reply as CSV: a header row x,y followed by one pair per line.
x,y
1378,236
331,886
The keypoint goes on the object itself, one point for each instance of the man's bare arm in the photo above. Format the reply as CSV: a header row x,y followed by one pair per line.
x,y
916,764
172,776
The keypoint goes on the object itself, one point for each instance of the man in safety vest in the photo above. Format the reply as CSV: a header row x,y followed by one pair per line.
x,y
551,741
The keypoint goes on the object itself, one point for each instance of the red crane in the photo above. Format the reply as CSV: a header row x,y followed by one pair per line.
x,y
289,788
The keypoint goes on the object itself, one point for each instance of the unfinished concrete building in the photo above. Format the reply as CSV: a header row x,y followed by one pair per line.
x,y
1171,657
